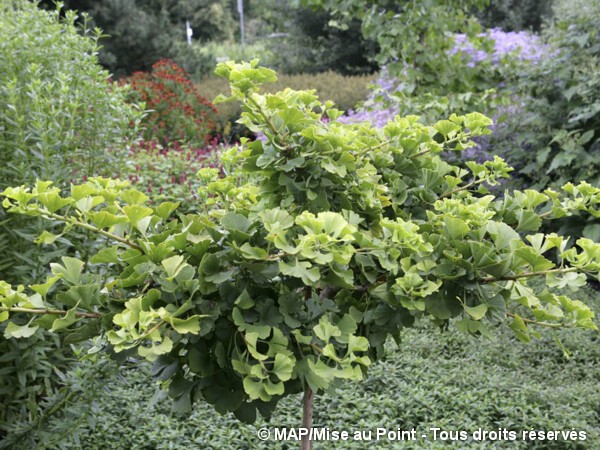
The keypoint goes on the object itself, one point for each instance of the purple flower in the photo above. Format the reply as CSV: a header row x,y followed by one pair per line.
x,y
519,44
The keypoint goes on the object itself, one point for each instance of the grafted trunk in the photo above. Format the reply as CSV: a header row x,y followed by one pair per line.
x,y
307,417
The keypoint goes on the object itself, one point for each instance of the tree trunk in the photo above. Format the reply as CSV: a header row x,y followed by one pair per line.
x,y
307,418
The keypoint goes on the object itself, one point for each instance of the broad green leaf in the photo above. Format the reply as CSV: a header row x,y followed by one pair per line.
x,y
528,221
165,209
134,197
85,204
46,238
536,261
300,269
135,213
501,233
173,265
520,329
357,344
254,389
52,201
83,333
43,289
446,128
190,325
233,221
19,331
106,256
161,348
457,228
71,271
571,280
244,301
325,330
254,252
63,322
476,312
283,367
103,219
347,324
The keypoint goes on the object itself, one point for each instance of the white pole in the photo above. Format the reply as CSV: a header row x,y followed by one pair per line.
x,y
240,4
189,32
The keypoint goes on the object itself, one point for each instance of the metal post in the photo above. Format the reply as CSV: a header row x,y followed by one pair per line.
x,y
189,32
240,4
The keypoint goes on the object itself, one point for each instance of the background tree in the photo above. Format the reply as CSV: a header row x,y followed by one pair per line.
x,y
306,42
139,33
512,15
414,38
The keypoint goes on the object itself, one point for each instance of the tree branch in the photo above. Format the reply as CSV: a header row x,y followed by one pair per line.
x,y
528,275
534,322
41,311
87,226
463,188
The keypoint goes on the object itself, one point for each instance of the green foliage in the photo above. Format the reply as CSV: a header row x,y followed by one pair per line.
x,y
552,137
512,15
319,244
310,44
139,33
58,112
62,413
194,59
422,384
169,172
436,74
49,77
345,91
413,38
570,85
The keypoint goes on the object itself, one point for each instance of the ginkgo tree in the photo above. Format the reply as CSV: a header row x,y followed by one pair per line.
x,y
317,244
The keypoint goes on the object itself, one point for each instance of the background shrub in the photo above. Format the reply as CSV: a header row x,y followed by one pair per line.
x,y
551,132
345,91
58,112
168,172
310,44
176,110
59,108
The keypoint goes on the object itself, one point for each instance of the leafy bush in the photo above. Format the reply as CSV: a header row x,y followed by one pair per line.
x,y
310,44
58,112
415,41
551,133
316,246
345,91
68,409
177,111
516,15
507,53
169,172
59,108
563,92
194,59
